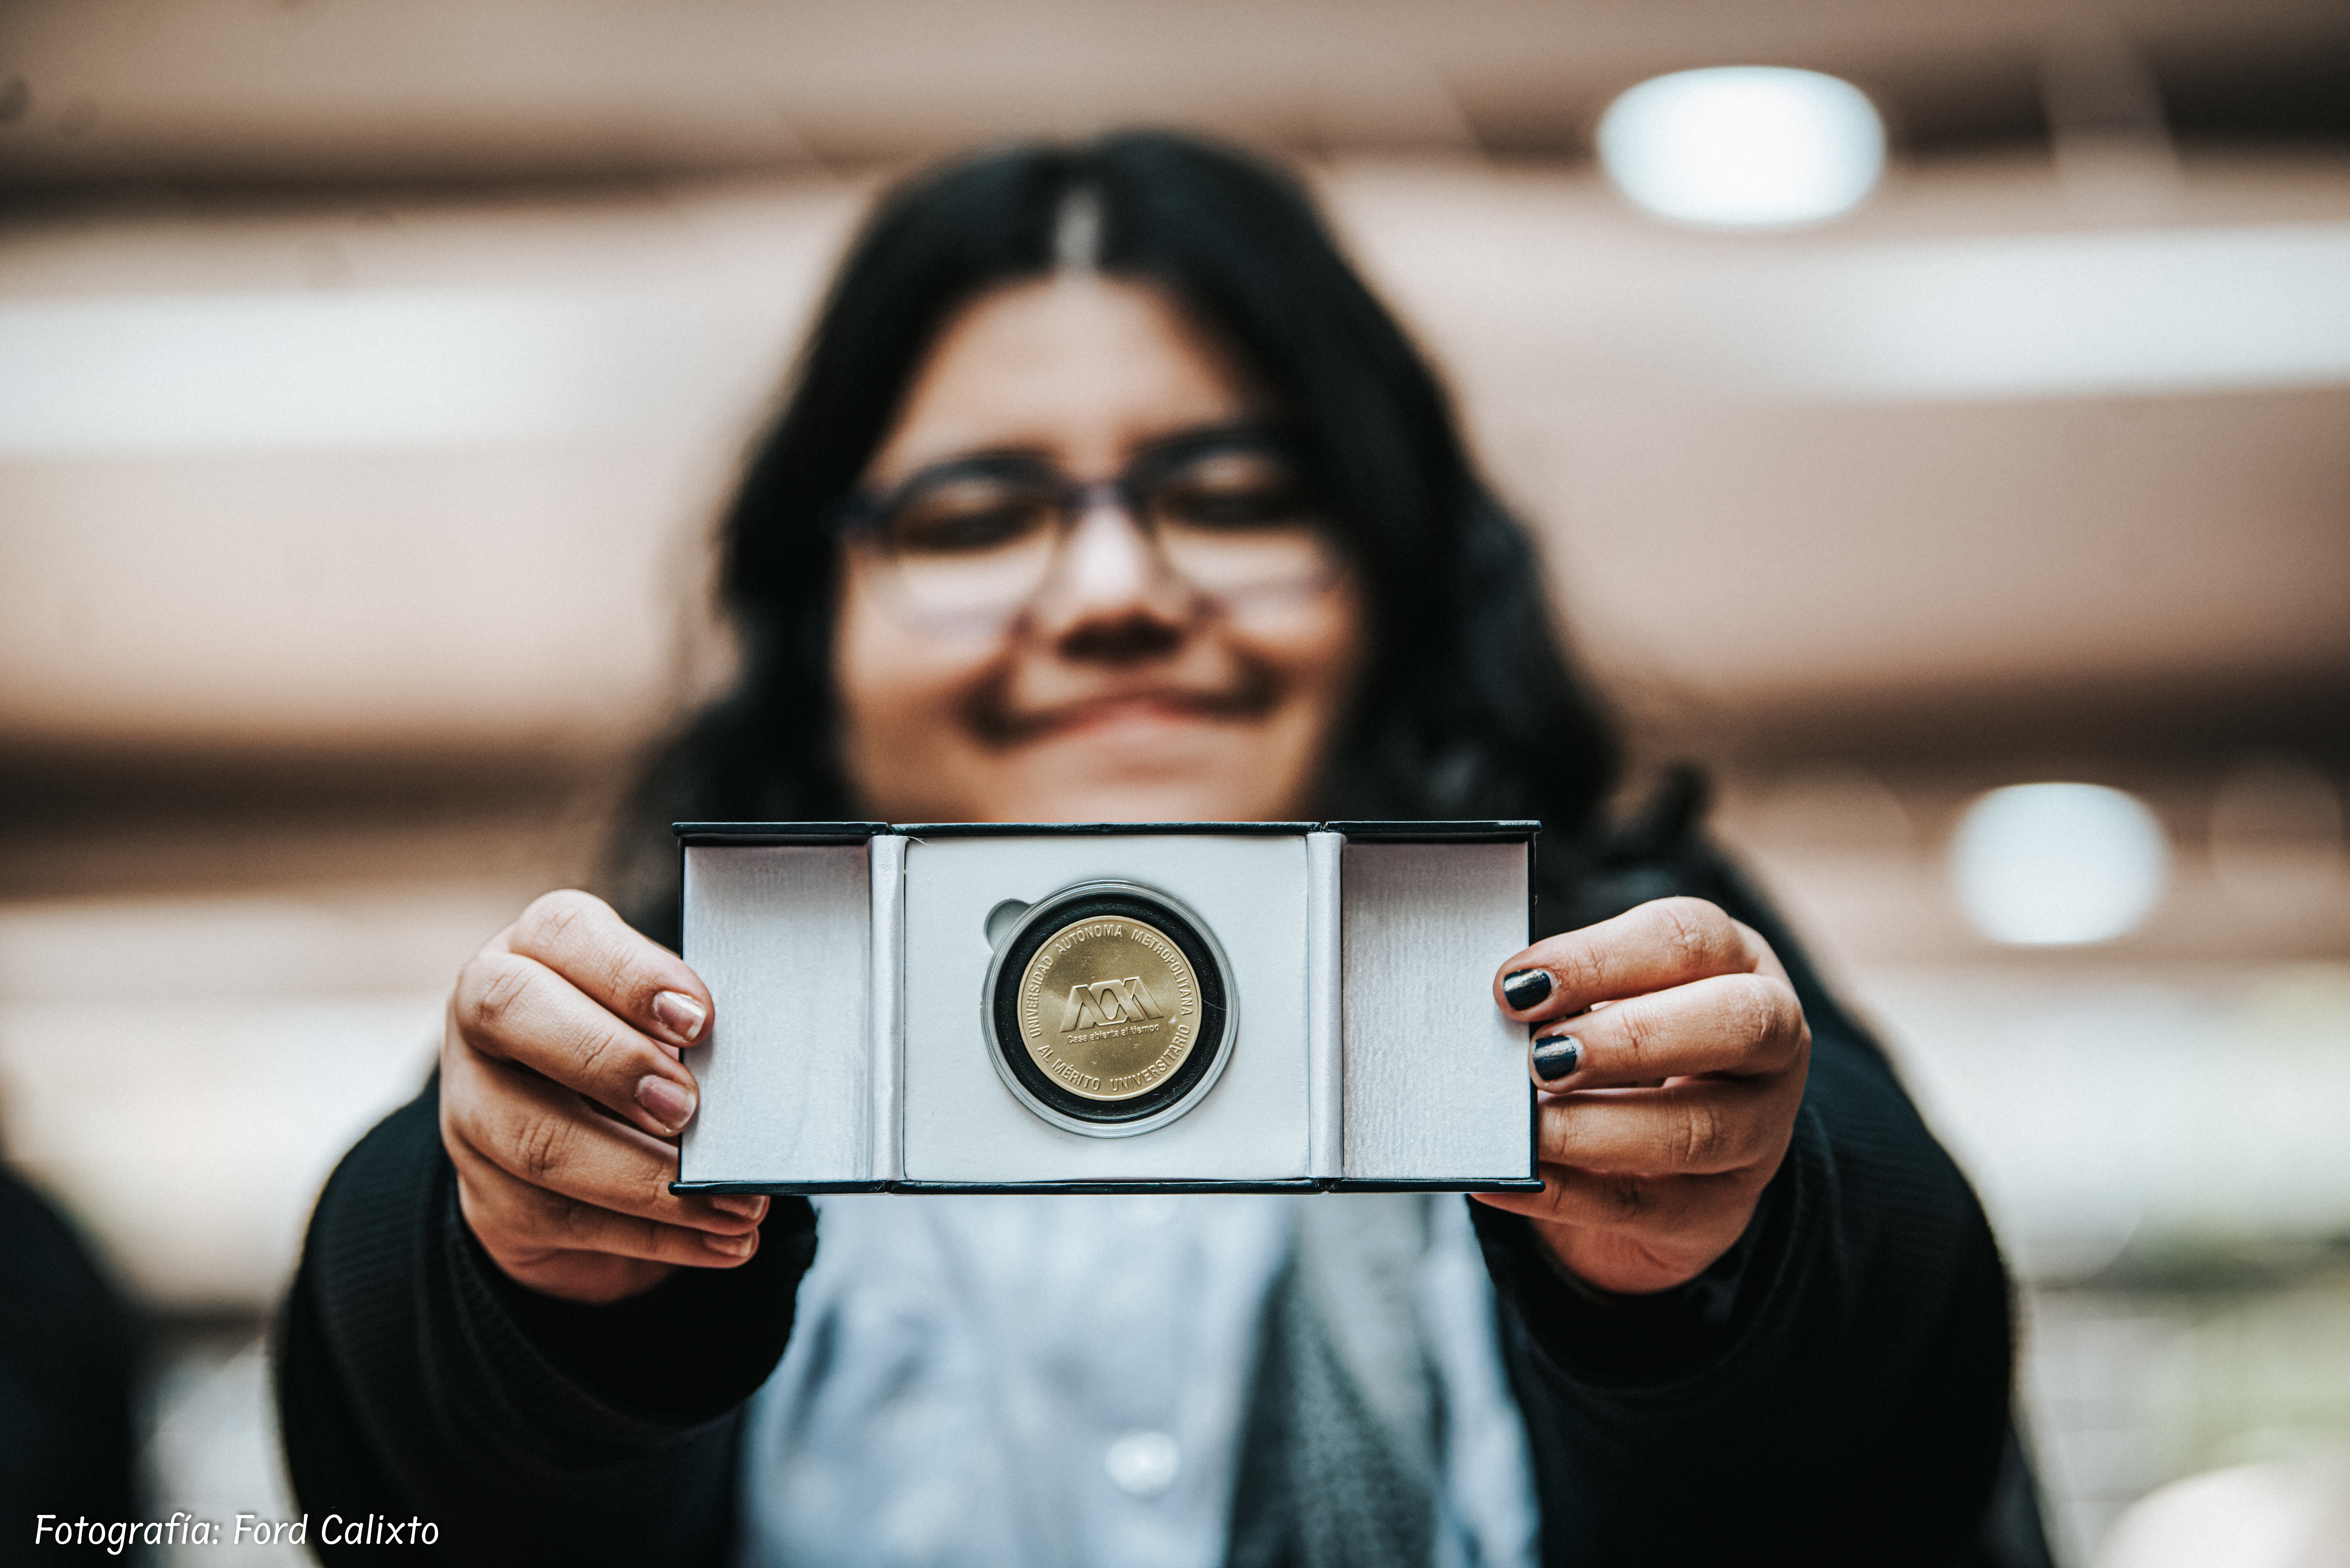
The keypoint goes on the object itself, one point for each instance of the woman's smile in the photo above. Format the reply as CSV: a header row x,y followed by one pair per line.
x,y
1043,699
1140,716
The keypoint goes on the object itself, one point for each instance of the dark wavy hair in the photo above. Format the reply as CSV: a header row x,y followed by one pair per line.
x,y
1470,709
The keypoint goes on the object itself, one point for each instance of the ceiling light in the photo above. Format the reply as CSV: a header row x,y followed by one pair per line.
x,y
2045,864
1743,147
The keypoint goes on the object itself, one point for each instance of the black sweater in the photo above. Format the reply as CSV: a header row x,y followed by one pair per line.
x,y
1836,1391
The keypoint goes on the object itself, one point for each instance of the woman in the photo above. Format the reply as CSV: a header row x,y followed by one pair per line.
x,y
1107,492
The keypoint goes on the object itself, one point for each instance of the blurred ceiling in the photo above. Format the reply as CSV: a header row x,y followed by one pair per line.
x,y
1981,467
403,90
369,370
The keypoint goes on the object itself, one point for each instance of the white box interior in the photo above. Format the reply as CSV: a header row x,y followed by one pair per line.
x,y
961,1126
1436,1086
781,934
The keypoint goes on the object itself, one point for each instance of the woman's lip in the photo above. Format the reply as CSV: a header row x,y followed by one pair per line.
x,y
1081,706
1105,712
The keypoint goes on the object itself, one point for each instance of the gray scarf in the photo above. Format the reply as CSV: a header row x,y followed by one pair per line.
x,y
1339,1467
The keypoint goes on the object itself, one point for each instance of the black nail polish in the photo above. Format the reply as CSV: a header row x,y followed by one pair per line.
x,y
1557,1055
1525,988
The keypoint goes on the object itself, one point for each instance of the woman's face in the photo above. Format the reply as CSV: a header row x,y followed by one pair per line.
x,y
1120,692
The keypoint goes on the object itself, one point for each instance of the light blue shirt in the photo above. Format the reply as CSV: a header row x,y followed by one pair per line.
x,y
1064,1380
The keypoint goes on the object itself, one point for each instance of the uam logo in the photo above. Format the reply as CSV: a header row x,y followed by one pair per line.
x,y
1108,1002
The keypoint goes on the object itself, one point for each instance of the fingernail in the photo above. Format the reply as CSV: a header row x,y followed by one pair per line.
x,y
671,1106
1557,1055
749,1205
679,1014
1525,988
732,1246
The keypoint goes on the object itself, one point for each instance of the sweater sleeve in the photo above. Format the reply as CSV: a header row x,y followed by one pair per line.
x,y
1836,1390
417,1383
1850,1404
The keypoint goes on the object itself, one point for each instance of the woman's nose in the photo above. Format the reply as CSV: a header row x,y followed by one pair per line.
x,y
1109,570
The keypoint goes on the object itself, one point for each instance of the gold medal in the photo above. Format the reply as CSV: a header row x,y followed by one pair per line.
x,y
1108,1007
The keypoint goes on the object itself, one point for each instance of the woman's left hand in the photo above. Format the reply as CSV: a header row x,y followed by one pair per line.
x,y
1677,1052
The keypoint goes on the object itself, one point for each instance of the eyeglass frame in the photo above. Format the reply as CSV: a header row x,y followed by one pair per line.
x,y
858,514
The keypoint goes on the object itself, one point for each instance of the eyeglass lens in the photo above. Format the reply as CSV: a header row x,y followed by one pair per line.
x,y
981,541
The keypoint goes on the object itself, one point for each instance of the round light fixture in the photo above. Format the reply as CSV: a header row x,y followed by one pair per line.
x,y
2045,864
1743,147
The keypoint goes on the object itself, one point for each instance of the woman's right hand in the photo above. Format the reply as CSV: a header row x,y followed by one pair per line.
x,y
562,1094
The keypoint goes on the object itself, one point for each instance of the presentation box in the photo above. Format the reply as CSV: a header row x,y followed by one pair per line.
x,y
1108,1007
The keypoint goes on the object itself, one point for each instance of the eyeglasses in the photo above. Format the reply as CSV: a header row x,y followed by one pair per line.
x,y
969,543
